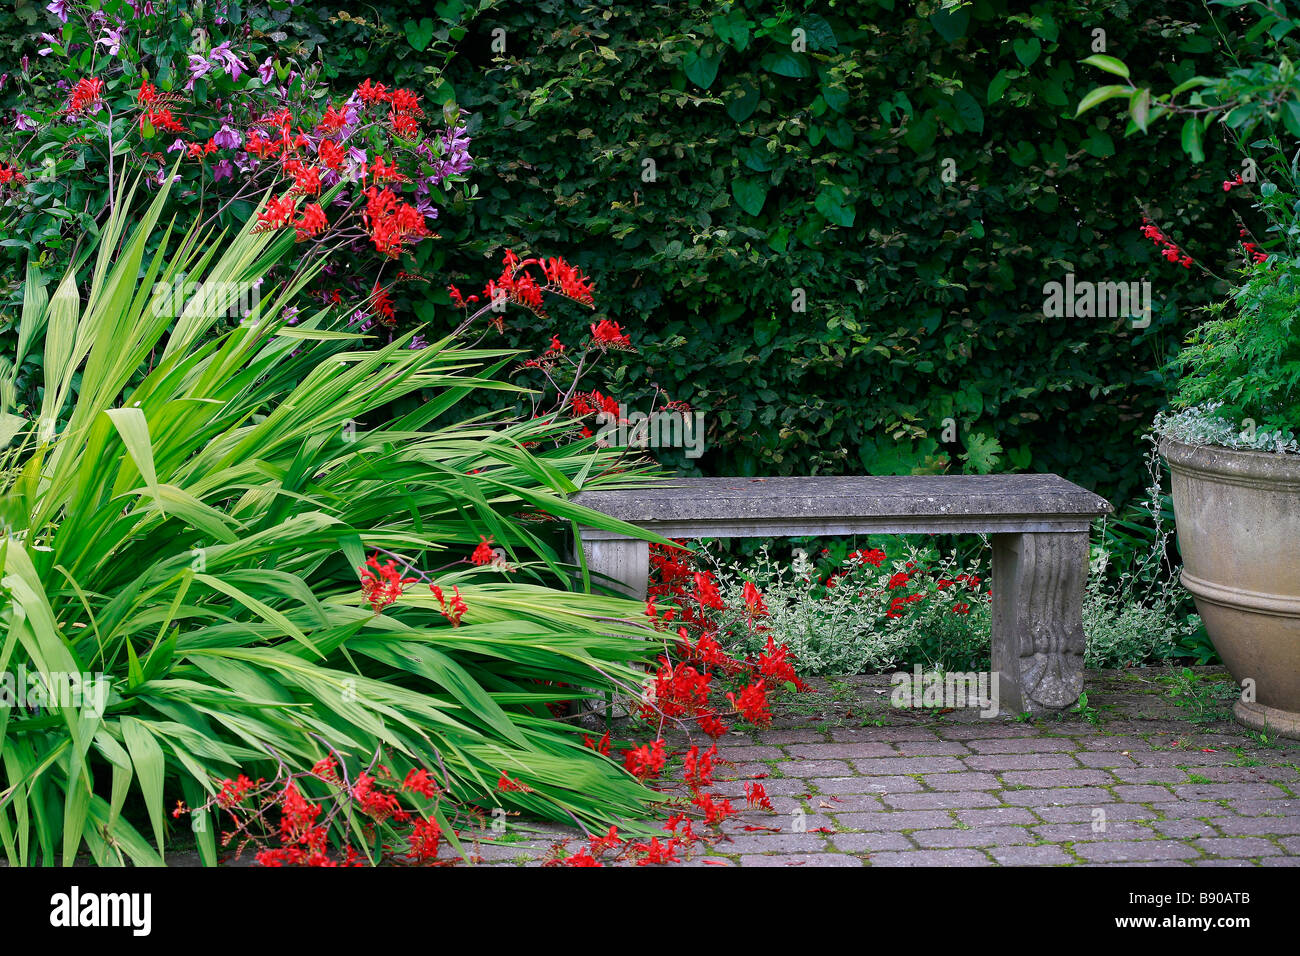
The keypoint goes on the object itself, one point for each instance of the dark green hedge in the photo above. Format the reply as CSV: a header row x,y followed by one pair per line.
x,y
823,171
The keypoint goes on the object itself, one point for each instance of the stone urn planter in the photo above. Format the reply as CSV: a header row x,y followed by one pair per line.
x,y
1238,518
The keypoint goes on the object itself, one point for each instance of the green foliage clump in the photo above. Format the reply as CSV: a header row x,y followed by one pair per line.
x,y
1246,358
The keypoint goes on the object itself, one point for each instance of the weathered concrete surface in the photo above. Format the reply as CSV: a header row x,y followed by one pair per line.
x,y
755,507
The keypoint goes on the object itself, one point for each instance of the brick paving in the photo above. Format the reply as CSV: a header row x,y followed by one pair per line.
x,y
1143,778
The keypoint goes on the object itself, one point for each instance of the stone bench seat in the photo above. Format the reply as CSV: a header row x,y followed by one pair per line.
x,y
1038,525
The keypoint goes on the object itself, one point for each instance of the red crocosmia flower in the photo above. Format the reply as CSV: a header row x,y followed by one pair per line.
x,y
645,761
383,171
391,222
507,784
311,222
568,281
712,725
258,145
753,600
370,93
682,829
381,303
423,840
331,154
161,118
483,554
454,609
404,101
376,804
11,174
581,858
297,814
147,95
601,748
608,334
234,791
556,345
86,96
610,841
333,121
278,212
419,781
383,583
307,180
697,768
680,690
756,796
656,852
715,809
403,125
774,665
706,592
752,704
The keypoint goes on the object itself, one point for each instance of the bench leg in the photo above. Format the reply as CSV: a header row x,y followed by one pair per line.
x,y
625,566
624,560
1038,582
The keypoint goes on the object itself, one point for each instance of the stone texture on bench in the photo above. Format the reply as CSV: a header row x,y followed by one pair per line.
x,y
1039,526
762,507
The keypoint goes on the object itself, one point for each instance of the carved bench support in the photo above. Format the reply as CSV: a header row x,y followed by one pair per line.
x,y
622,564
1038,582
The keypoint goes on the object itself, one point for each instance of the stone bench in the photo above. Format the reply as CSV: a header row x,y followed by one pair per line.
x,y
1039,526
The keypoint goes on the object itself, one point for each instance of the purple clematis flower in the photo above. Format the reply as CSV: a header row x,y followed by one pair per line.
x,y
223,57
111,39
266,71
227,138
60,9
223,169
199,66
